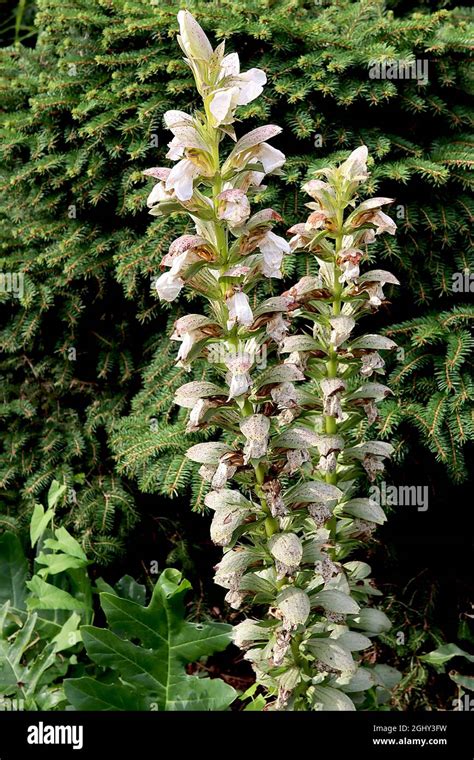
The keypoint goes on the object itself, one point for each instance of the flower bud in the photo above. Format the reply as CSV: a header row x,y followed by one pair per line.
x,y
193,39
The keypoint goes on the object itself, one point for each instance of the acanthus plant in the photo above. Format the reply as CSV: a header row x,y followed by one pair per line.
x,y
289,404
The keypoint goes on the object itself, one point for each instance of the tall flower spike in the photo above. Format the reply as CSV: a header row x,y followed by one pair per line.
x,y
283,474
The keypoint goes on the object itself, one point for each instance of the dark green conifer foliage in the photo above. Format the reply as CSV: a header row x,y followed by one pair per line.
x,y
83,116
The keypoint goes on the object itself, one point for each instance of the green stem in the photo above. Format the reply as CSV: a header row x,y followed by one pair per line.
x,y
330,422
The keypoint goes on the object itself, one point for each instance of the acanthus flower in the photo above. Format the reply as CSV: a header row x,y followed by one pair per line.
x,y
233,207
277,327
255,430
371,362
332,389
239,310
238,378
282,495
188,330
273,247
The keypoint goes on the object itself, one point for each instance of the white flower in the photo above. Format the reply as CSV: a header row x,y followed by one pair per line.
x,y
300,238
295,459
373,283
223,472
183,261
376,294
284,395
193,39
159,194
326,568
273,248
186,330
234,598
354,169
176,149
223,104
383,223
238,377
253,147
197,413
369,212
373,465
271,158
371,363
194,243
348,261
239,310
316,188
180,179
332,389
169,286
316,221
230,66
238,90
250,85
175,119
251,179
255,429
233,207
327,464
277,327
370,408
281,646
367,236
320,513
272,490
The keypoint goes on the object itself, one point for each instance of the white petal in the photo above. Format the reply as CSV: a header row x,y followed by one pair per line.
x,y
181,178
355,167
270,158
222,103
186,346
239,384
168,287
250,86
182,262
176,150
239,309
176,119
230,66
272,242
158,194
